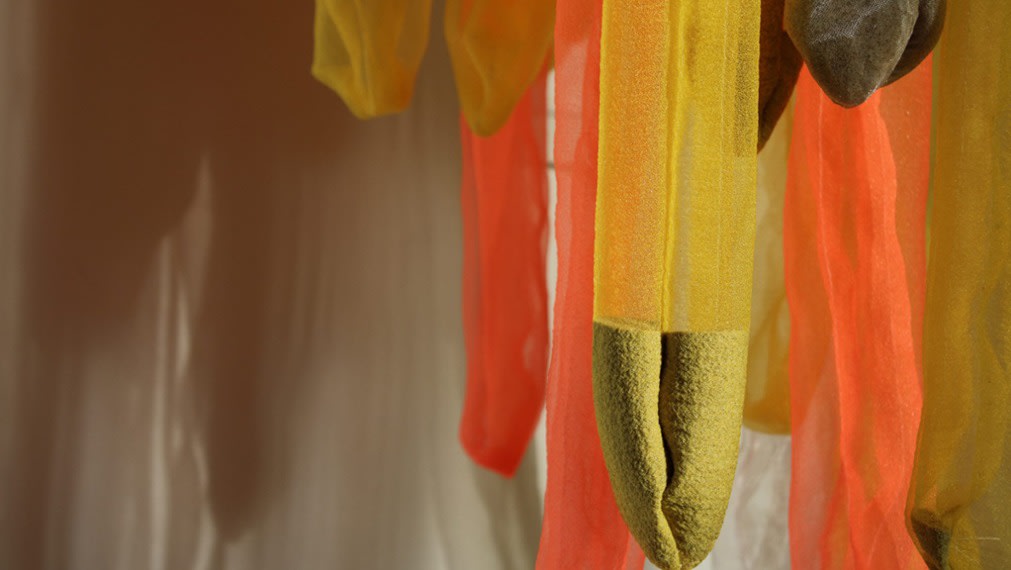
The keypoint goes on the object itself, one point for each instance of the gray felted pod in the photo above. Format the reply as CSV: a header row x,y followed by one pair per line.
x,y
854,47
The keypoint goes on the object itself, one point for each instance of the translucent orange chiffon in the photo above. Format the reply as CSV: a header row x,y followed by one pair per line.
x,y
582,527
855,268
504,202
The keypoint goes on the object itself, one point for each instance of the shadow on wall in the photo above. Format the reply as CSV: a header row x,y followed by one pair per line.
x,y
133,100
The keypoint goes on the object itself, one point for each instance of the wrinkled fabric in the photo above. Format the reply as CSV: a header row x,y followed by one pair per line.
x,y
673,259
767,396
582,527
854,47
854,251
505,223
960,498
497,48
369,51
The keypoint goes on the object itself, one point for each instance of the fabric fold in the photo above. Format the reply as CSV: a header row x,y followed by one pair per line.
x,y
673,260
854,251
504,201
369,51
582,526
497,48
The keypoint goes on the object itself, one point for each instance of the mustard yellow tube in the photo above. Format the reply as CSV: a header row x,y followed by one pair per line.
x,y
497,48
369,51
960,497
675,229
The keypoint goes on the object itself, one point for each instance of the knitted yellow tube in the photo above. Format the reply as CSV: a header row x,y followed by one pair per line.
x,y
675,225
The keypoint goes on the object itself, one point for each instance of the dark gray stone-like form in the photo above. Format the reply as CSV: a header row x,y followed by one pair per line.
x,y
853,47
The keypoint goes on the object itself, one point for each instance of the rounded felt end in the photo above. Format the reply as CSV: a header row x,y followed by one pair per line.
x,y
626,388
851,48
701,404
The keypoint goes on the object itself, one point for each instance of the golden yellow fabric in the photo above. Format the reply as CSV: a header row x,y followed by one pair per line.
x,y
960,497
497,48
767,400
368,51
675,225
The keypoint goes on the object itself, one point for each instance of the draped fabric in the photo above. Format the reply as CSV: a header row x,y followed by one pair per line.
x,y
230,325
369,51
504,204
767,398
497,48
673,259
854,227
962,481
582,527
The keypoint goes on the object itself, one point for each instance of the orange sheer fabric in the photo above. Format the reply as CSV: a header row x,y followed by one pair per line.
x,y
582,527
854,246
504,202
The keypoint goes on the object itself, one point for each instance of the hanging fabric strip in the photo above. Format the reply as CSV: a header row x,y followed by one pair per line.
x,y
960,499
368,51
582,527
504,202
767,400
497,48
854,246
675,225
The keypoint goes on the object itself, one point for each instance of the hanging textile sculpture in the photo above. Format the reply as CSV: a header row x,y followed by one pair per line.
x,y
854,233
582,526
854,47
961,486
504,204
673,259
369,53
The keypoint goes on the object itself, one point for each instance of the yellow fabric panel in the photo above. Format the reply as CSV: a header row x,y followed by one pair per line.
x,y
767,400
675,225
497,48
676,199
368,51
960,497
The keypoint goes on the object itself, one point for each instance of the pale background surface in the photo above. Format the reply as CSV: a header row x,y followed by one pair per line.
x,y
230,331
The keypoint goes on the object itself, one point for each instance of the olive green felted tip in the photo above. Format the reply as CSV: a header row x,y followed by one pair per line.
x,y
854,47
933,539
669,416
779,66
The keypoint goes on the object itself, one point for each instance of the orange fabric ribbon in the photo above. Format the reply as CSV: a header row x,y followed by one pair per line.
x,y
854,234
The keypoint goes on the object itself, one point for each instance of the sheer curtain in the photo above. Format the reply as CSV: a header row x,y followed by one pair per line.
x,y
230,331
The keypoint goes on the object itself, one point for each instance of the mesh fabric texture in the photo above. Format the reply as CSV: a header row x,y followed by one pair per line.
x,y
504,201
673,259
854,245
